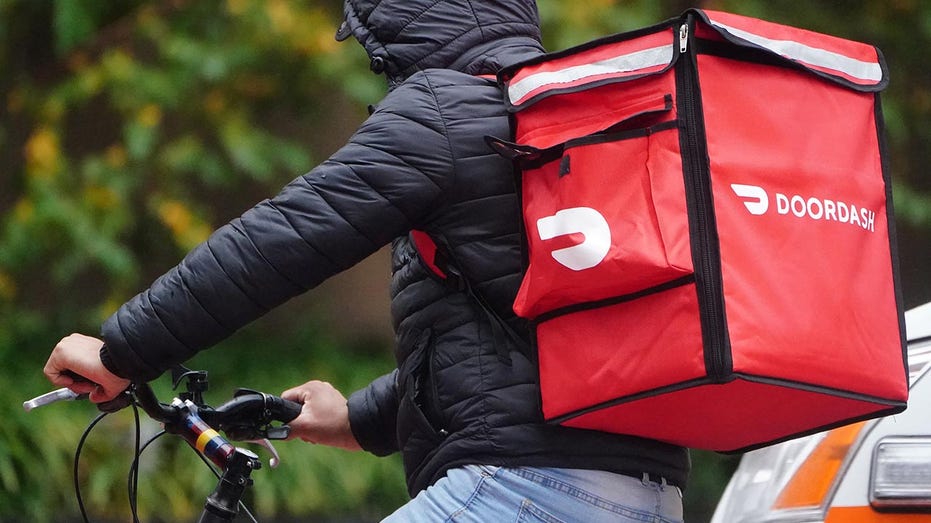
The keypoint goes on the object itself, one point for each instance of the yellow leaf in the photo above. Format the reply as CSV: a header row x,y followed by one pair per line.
x,y
43,153
174,214
150,115
315,33
187,229
280,14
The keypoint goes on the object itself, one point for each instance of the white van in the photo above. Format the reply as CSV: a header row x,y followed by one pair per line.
x,y
874,471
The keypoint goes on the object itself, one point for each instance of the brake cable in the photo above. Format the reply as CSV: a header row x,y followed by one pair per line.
x,y
77,459
133,476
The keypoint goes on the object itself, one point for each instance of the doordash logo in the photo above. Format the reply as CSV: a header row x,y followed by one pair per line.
x,y
590,224
756,200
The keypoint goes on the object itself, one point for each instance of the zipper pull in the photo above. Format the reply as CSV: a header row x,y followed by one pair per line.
x,y
684,38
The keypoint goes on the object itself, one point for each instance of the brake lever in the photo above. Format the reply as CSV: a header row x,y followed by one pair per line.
x,y
280,432
62,394
275,460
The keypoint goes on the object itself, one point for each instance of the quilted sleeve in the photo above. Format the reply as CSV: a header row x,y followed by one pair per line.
x,y
373,413
382,182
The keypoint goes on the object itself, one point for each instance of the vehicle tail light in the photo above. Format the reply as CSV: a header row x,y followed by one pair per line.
x,y
900,476
790,482
812,482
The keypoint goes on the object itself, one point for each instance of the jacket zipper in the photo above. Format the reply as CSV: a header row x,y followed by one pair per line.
x,y
427,374
436,411
718,363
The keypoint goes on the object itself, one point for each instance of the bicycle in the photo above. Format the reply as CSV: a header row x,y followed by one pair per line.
x,y
248,416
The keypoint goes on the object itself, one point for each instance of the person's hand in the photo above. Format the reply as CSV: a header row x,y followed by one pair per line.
x,y
75,363
324,417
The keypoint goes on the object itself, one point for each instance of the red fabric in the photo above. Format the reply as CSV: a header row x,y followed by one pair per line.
x,y
595,54
557,119
603,354
643,200
426,247
807,299
727,417
783,33
798,216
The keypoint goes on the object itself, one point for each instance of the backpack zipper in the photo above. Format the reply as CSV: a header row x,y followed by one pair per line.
x,y
718,362
684,38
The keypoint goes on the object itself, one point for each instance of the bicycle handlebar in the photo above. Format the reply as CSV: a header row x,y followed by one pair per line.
x,y
248,416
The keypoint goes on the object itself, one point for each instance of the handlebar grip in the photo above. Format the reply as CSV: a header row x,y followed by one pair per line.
x,y
249,414
284,410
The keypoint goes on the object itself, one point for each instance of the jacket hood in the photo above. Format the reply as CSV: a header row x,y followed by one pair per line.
x,y
471,36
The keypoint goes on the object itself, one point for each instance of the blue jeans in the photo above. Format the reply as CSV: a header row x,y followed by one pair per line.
x,y
485,494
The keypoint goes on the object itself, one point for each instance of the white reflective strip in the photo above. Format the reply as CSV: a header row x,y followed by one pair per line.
x,y
618,64
870,71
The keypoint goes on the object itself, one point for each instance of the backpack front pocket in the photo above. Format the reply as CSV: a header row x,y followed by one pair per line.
x,y
605,219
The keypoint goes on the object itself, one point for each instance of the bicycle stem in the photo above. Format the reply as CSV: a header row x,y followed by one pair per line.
x,y
223,504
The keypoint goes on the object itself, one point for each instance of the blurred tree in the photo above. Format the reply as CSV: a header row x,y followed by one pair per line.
x,y
129,130
132,131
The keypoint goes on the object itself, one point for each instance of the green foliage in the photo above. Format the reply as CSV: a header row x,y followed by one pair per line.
x,y
36,449
130,130
145,117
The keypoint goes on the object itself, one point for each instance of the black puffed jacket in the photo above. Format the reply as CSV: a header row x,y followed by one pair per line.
x,y
462,393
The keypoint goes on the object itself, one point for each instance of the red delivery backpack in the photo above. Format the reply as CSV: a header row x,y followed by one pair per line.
x,y
709,233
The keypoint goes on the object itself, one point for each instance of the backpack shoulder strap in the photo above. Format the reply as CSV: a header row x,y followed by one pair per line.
x,y
427,249
439,261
